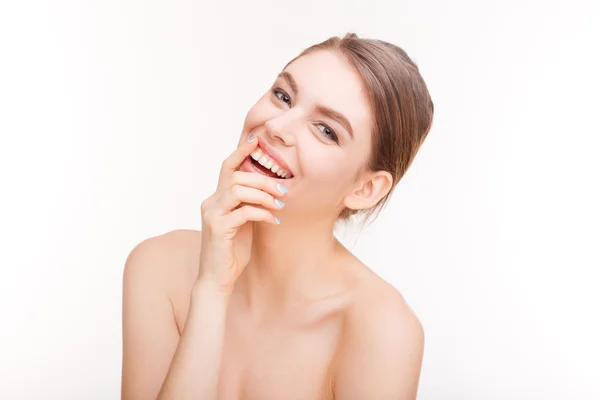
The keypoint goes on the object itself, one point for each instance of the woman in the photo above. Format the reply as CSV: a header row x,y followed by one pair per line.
x,y
264,302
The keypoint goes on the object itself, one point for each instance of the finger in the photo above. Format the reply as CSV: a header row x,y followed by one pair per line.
x,y
244,194
258,181
231,163
239,217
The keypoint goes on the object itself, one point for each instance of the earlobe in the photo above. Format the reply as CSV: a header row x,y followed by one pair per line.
x,y
369,191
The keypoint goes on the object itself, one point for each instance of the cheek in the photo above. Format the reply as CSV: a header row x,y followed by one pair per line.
x,y
329,173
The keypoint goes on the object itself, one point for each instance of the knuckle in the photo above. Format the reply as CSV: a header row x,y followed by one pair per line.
x,y
268,198
204,206
236,177
236,191
247,211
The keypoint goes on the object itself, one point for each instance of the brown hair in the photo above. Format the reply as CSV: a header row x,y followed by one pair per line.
x,y
400,104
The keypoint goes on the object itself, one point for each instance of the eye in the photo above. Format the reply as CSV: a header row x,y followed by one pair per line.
x,y
327,132
330,133
283,94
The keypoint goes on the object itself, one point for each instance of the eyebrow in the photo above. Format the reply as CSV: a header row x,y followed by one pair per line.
x,y
327,111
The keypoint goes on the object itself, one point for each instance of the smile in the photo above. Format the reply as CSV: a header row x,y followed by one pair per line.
x,y
269,164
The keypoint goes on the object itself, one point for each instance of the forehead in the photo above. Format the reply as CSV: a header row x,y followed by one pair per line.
x,y
327,78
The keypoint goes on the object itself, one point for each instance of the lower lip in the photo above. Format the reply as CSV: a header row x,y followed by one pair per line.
x,y
247,166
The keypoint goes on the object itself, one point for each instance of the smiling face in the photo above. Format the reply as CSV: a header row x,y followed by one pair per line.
x,y
316,117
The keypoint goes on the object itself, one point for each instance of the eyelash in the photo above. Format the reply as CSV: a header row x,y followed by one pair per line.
x,y
333,135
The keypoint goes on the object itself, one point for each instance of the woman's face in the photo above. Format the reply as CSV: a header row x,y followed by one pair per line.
x,y
324,153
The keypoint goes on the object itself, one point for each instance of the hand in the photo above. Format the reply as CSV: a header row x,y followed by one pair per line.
x,y
241,198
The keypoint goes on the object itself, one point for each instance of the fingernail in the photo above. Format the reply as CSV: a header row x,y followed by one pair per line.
x,y
279,203
251,139
282,188
277,220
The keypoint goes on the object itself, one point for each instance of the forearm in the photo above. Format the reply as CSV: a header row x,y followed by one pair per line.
x,y
194,370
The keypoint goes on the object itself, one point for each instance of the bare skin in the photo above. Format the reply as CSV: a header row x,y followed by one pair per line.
x,y
305,351
299,317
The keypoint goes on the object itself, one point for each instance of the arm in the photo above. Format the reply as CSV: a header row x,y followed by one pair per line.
x,y
194,372
157,362
382,353
150,333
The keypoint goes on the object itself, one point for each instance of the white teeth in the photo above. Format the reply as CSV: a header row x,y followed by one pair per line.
x,y
268,163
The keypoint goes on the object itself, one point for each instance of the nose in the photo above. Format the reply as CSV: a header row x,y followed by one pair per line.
x,y
282,127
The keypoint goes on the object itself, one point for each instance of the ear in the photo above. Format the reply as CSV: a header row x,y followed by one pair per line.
x,y
372,188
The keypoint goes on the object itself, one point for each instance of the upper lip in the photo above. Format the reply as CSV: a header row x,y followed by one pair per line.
x,y
268,150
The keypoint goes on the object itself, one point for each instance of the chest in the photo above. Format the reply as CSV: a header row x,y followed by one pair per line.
x,y
278,361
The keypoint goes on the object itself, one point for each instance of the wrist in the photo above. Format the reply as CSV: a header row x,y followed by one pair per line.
x,y
204,288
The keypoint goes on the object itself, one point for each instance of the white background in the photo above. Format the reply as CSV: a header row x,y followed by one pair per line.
x,y
115,116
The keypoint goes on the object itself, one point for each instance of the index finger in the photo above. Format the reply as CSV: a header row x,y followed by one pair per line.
x,y
231,163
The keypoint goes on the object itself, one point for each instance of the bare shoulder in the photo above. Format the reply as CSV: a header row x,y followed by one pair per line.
x,y
154,270
174,251
383,339
169,261
378,303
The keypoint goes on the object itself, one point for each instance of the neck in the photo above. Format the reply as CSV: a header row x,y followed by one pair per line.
x,y
289,263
